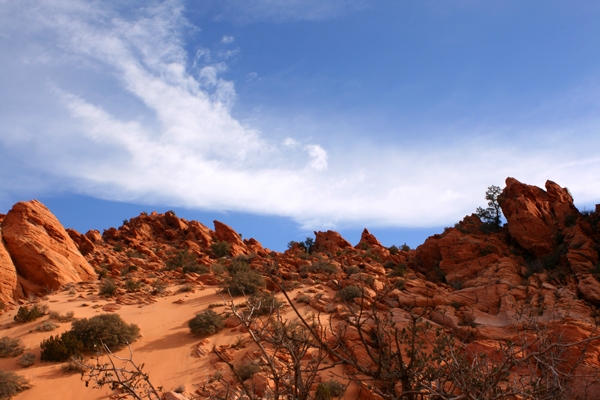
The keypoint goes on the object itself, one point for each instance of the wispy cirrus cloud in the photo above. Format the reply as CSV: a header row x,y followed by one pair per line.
x,y
108,102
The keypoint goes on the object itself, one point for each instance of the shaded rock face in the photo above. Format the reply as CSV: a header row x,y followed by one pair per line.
x,y
9,287
535,215
42,252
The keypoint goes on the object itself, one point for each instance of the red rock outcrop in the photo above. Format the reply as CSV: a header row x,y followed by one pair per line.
x,y
225,233
9,286
534,215
42,252
330,241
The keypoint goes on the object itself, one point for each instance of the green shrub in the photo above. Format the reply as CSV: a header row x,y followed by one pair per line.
x,y
398,270
109,329
405,247
108,288
205,323
46,326
26,360
68,317
246,370
303,298
11,384
134,254
72,367
264,303
220,249
184,260
158,287
186,288
132,285
102,272
60,348
10,347
353,269
329,389
350,292
323,392
242,280
393,249
25,314
323,266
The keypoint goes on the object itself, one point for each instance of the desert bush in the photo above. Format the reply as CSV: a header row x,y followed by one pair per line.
x,y
205,323
246,370
220,249
10,347
132,285
68,317
303,298
46,326
243,280
102,272
25,314
108,288
323,266
393,249
329,389
72,367
109,329
186,261
264,303
353,269
26,360
350,292
158,287
398,270
185,288
11,384
60,348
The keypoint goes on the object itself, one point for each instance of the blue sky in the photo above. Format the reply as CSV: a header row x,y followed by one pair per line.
x,y
284,117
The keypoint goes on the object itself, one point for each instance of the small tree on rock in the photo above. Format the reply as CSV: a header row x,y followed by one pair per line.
x,y
491,215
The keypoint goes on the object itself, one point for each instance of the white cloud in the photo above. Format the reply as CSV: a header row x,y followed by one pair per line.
x,y
318,157
122,113
227,39
290,142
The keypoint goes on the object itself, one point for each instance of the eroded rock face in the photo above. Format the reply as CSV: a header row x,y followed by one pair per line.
x,y
8,276
534,215
330,241
43,254
225,233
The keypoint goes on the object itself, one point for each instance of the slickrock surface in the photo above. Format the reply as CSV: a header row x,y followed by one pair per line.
x,y
43,254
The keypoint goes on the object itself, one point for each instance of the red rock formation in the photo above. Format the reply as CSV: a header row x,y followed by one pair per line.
x,y
9,286
534,215
225,233
43,253
330,241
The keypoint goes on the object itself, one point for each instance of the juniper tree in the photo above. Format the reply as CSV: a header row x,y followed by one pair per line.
x,y
492,213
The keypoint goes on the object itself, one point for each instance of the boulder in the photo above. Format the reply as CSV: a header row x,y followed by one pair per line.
x,y
330,241
225,233
42,252
534,215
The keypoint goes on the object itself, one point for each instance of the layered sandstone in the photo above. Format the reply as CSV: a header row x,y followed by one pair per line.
x,y
43,254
